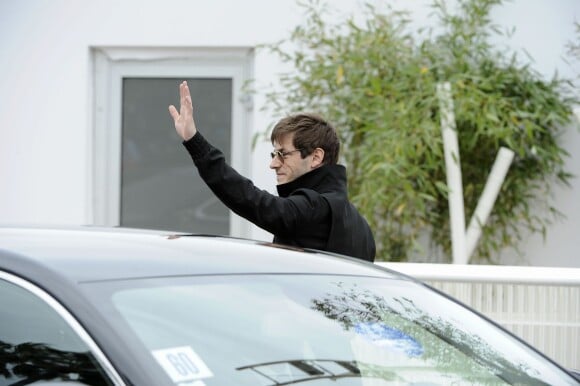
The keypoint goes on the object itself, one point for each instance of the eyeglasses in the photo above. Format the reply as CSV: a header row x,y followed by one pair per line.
x,y
282,154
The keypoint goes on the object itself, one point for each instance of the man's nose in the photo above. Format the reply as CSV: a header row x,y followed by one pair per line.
x,y
275,163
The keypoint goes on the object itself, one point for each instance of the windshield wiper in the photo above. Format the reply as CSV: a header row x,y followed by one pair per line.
x,y
311,369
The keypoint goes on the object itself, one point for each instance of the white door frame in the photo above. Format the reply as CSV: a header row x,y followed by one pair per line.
x,y
111,65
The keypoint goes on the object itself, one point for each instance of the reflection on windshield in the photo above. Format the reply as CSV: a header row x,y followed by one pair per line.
x,y
27,363
362,312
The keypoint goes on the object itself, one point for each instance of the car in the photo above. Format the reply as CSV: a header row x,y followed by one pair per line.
x,y
117,306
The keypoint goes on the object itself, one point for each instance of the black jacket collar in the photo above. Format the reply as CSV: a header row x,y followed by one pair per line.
x,y
324,179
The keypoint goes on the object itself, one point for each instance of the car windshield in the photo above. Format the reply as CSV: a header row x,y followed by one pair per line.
x,y
313,330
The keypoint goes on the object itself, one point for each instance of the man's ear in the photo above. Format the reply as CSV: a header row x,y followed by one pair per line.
x,y
317,157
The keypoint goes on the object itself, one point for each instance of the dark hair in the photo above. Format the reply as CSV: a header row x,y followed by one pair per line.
x,y
310,131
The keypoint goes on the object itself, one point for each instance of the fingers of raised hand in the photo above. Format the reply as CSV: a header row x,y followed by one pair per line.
x,y
173,112
182,90
186,104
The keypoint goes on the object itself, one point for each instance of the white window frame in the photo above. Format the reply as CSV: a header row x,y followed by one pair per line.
x,y
111,65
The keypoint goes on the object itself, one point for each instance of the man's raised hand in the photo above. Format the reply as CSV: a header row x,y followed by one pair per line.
x,y
183,119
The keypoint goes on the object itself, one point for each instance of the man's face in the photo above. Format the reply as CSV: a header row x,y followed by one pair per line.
x,y
291,165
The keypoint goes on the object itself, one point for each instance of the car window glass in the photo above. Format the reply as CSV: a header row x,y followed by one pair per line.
x,y
324,330
38,347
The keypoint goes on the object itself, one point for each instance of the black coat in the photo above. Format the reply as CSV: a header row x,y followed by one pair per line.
x,y
311,211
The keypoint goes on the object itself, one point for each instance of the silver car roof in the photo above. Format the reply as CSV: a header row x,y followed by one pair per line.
x,y
94,254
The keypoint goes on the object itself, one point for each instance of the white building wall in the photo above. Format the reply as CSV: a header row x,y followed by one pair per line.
x,y
46,91
544,29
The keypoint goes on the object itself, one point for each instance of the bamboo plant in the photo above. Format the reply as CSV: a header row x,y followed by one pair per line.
x,y
376,79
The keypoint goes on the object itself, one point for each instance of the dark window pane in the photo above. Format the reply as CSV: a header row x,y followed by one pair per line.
x,y
160,187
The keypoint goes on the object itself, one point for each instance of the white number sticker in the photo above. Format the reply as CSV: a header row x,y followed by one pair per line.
x,y
182,364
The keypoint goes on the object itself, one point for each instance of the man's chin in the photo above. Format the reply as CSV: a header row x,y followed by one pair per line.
x,y
281,180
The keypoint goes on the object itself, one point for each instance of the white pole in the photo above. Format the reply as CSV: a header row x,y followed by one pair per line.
x,y
487,199
453,169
